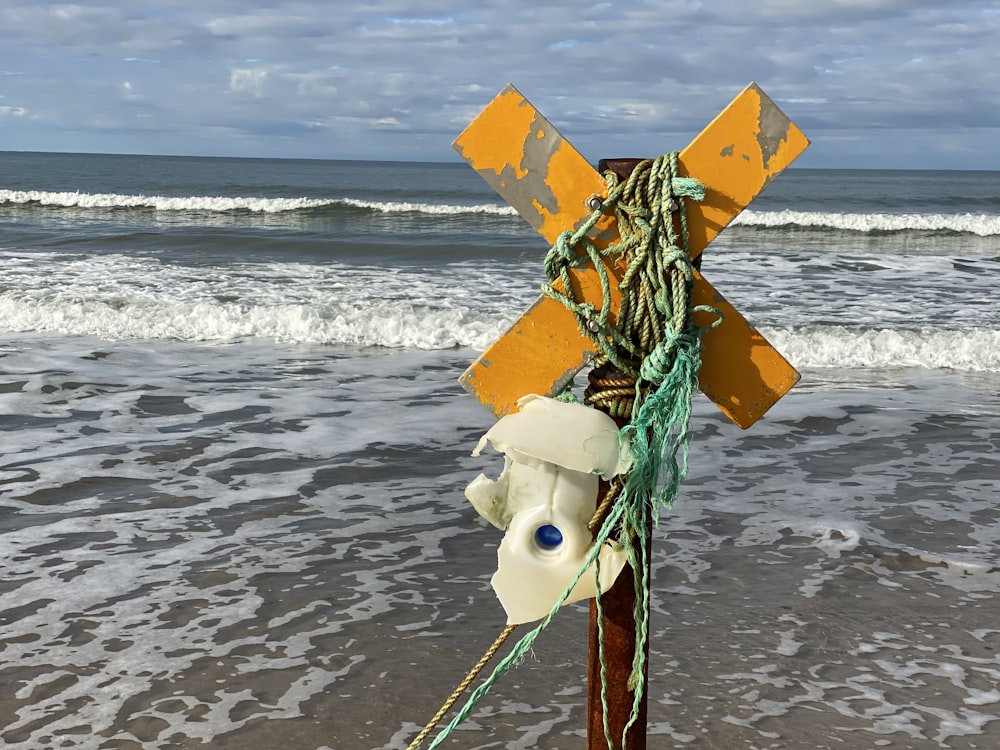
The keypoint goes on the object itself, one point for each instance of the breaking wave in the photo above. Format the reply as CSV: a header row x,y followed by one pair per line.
x,y
983,225
225,204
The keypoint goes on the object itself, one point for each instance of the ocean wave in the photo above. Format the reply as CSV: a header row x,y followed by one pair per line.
x,y
429,208
983,225
391,325
370,321
975,350
226,204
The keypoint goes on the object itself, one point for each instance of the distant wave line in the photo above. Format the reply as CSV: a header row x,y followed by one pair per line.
x,y
221,204
984,225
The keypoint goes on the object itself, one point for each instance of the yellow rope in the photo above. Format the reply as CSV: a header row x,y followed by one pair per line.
x,y
473,673
595,522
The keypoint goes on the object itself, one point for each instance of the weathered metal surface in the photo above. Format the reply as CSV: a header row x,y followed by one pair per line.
x,y
612,630
548,182
616,635
528,162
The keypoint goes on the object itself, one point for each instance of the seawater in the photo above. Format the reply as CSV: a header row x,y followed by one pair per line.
x,y
233,455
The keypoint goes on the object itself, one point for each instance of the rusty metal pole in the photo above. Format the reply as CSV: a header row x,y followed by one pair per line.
x,y
618,607
617,620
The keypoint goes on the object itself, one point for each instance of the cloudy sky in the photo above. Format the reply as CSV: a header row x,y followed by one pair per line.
x,y
873,83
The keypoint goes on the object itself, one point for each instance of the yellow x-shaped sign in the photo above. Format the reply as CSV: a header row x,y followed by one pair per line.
x,y
517,151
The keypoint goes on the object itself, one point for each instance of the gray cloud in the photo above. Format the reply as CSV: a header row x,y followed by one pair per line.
x,y
895,83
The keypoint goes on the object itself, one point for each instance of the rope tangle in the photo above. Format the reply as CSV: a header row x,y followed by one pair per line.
x,y
648,357
660,362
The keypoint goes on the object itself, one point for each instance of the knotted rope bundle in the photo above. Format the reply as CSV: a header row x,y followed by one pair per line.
x,y
649,355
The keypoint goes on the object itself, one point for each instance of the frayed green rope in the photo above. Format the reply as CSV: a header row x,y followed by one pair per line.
x,y
660,443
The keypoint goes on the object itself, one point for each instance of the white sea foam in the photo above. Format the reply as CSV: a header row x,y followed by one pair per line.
x,y
374,324
976,350
129,297
364,319
116,297
430,208
983,225
158,202
208,203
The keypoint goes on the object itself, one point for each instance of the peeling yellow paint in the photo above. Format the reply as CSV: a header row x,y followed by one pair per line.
x,y
572,180
735,182
502,129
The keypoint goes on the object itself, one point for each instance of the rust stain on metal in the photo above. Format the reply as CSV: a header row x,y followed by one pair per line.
x,y
507,123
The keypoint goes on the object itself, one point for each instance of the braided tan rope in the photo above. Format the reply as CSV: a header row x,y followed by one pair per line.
x,y
595,523
463,685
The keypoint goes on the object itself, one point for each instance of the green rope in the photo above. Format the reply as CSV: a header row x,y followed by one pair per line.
x,y
660,442
654,340
656,316
642,206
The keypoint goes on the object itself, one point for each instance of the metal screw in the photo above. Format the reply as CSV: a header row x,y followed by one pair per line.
x,y
593,325
671,205
594,202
